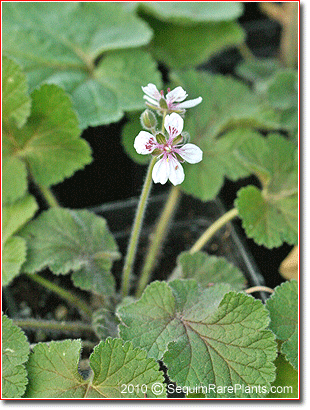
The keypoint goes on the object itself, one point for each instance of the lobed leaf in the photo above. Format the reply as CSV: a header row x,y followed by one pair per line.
x,y
53,371
209,336
208,270
270,216
78,241
192,13
177,47
15,351
283,310
14,179
62,43
286,383
15,99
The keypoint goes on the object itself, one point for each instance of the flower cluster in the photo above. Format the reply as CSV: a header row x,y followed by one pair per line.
x,y
170,150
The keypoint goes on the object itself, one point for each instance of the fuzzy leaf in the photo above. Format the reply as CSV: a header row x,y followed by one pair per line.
x,y
286,381
14,179
270,216
203,336
15,351
61,43
208,270
283,309
219,125
282,92
193,12
15,99
78,241
259,71
177,46
16,215
53,370
50,141
14,255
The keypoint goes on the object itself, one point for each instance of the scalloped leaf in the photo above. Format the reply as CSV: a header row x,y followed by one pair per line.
x,y
177,47
50,142
286,383
15,352
53,371
270,216
208,270
15,99
14,248
203,335
219,125
14,179
283,310
78,241
193,12
61,43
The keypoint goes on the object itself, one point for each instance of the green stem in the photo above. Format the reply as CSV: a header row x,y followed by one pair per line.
x,y
207,235
64,294
245,52
53,325
133,242
48,196
158,238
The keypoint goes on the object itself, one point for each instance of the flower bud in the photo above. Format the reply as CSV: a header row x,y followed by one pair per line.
x,y
148,120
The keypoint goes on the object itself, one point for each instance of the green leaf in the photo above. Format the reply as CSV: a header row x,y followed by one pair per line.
x,y
15,99
104,323
78,241
53,371
259,71
219,125
177,46
283,309
204,336
14,179
270,216
14,255
193,12
286,383
282,92
16,215
50,142
208,270
14,248
15,351
61,43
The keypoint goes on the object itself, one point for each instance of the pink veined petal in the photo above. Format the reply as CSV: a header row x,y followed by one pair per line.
x,y
145,143
176,172
160,171
174,124
176,95
152,91
190,103
191,153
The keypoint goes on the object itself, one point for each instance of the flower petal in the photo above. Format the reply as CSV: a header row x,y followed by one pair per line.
x,y
176,95
190,103
174,124
160,171
151,100
145,143
176,172
191,153
152,91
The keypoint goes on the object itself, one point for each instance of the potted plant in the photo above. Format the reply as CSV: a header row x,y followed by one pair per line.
x,y
158,291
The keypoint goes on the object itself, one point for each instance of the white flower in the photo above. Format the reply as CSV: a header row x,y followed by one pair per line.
x,y
170,152
172,102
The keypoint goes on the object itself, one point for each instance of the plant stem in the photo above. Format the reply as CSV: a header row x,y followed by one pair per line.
x,y
245,52
133,242
259,289
157,238
48,196
53,325
64,294
207,235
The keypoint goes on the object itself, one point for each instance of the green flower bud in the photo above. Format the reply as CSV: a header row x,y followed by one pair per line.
x,y
148,120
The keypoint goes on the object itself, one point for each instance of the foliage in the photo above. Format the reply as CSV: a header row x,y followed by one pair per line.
x,y
68,66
